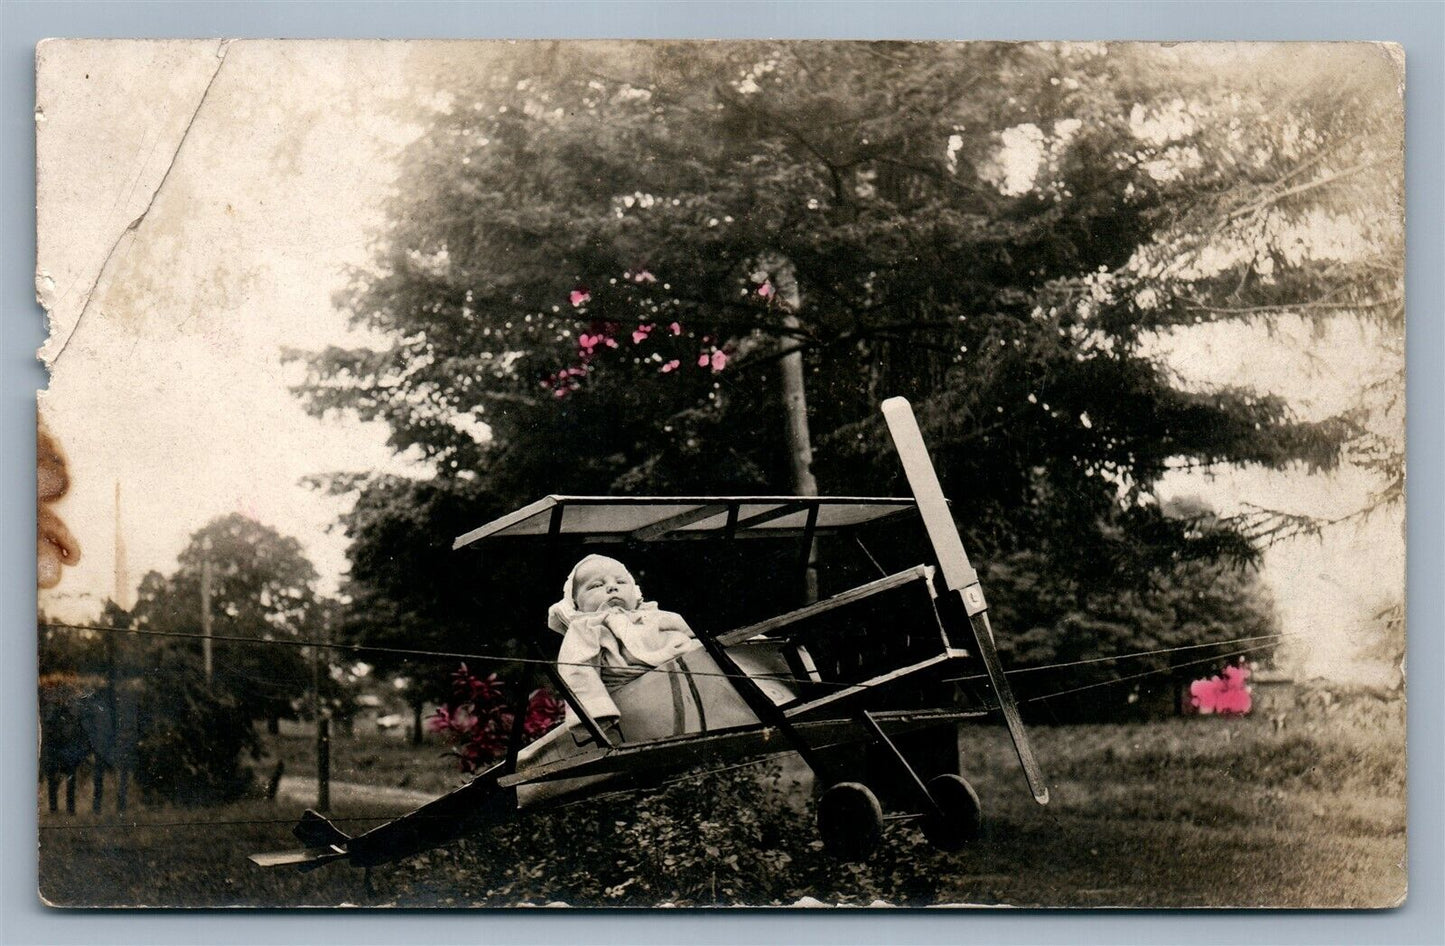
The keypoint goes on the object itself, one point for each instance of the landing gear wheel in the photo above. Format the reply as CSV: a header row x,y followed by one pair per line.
x,y
959,820
850,821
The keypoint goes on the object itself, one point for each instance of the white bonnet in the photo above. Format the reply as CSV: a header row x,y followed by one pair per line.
x,y
560,615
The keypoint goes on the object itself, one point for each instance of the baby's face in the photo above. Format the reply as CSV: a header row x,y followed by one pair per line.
x,y
604,583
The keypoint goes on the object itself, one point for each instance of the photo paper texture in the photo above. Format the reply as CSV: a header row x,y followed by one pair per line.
x,y
721,474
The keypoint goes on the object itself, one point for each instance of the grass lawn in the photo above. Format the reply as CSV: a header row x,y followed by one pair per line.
x,y
386,759
1186,812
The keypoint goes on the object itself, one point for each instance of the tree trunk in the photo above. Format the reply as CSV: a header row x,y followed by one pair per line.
x,y
795,411
416,723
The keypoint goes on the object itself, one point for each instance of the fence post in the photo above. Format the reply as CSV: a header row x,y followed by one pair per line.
x,y
323,764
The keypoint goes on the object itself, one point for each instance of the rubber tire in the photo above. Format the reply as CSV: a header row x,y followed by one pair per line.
x,y
961,820
850,821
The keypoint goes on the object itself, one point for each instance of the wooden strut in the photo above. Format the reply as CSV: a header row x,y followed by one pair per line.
x,y
958,574
762,706
772,715
896,755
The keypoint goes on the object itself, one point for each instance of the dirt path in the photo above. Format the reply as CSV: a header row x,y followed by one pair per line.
x,y
303,788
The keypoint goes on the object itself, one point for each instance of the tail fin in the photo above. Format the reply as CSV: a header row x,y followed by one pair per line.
x,y
324,843
314,830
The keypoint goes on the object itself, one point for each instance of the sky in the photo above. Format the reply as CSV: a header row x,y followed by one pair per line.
x,y
184,249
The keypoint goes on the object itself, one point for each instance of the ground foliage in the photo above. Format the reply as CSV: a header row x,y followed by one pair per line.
x,y
1181,813
596,255
734,837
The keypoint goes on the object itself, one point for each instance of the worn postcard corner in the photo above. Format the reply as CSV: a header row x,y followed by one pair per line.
x,y
747,473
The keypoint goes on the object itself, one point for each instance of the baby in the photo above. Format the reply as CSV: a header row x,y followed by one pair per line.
x,y
610,635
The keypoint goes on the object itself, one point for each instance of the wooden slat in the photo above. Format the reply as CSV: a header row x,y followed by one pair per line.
x,y
863,686
781,512
958,573
874,508
510,519
663,526
916,573
690,749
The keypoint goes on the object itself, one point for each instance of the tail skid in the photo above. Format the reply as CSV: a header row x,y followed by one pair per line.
x,y
478,803
324,843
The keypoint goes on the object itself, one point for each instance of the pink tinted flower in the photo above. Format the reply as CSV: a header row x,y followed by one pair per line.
x,y
703,359
610,342
1226,694
543,712
640,334
440,721
672,365
462,719
486,689
675,329
719,360
766,290
642,276
580,297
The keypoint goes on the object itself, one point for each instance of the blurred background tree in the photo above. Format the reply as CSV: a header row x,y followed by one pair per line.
x,y
197,733
598,255
262,587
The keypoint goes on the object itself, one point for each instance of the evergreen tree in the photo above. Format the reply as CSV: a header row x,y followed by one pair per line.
x,y
598,254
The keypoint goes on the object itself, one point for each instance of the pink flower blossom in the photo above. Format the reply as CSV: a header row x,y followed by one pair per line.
x,y
1226,694
640,334
766,289
462,719
440,721
543,712
580,297
642,276
717,359
670,366
675,329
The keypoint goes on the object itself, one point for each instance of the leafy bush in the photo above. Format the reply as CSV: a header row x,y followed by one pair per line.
x,y
478,718
193,741
730,838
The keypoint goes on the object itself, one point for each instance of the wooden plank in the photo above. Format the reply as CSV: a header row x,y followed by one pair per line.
x,y
983,633
505,522
691,749
953,561
870,507
784,510
297,857
663,526
476,804
763,707
916,573
863,686
958,574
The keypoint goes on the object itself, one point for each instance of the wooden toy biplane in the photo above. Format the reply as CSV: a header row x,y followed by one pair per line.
x,y
825,681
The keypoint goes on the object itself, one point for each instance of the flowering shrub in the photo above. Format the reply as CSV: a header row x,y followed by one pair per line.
x,y
477,720
1226,695
657,339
